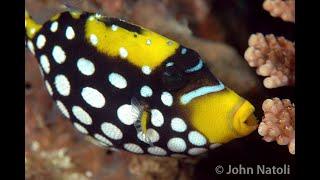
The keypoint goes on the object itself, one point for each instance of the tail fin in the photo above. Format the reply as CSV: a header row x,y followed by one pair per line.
x,y
31,27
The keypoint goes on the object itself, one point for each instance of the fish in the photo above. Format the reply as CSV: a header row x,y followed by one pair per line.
x,y
132,89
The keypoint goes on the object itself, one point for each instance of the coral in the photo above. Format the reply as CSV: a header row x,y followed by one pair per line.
x,y
285,9
148,168
278,123
273,57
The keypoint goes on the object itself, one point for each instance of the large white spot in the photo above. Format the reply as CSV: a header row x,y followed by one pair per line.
x,y
62,85
70,33
80,128
63,109
81,115
196,138
156,118
93,39
30,46
103,140
177,124
41,41
146,91
197,151
123,52
54,26
153,135
85,66
49,88
167,98
58,54
117,80
44,61
155,150
111,131
93,97
133,148
146,70
215,145
124,113
177,144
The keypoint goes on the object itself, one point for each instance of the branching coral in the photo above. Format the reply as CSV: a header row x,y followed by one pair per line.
x,y
273,57
281,8
278,123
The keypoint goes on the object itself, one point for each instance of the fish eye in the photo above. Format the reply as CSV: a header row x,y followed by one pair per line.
x,y
173,79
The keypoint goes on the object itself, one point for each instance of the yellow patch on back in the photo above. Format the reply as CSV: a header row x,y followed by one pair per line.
x,y
75,14
31,26
55,17
148,48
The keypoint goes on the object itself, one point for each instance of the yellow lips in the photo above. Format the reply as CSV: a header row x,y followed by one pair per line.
x,y
244,122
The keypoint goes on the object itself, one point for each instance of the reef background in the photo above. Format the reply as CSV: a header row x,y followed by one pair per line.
x,y
219,30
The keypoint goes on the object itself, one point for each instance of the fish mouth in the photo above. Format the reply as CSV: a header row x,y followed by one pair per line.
x,y
244,121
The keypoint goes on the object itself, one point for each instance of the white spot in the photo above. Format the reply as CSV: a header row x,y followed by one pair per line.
x,y
114,27
48,88
80,128
156,118
91,18
183,51
62,85
167,98
124,113
85,66
54,26
58,54
133,148
155,150
117,80
153,135
98,16
30,46
146,70
111,131
146,91
44,61
186,98
148,42
81,115
70,33
215,145
169,64
123,52
93,97
93,39
177,124
169,43
177,144
63,109
103,140
196,138
197,151
41,41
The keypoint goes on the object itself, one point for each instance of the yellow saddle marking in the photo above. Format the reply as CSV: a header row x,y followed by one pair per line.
x,y
147,48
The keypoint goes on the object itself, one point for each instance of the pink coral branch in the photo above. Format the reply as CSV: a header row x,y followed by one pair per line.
x,y
285,9
278,123
274,58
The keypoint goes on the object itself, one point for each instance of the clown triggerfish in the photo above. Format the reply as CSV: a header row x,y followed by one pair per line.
x,y
132,89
